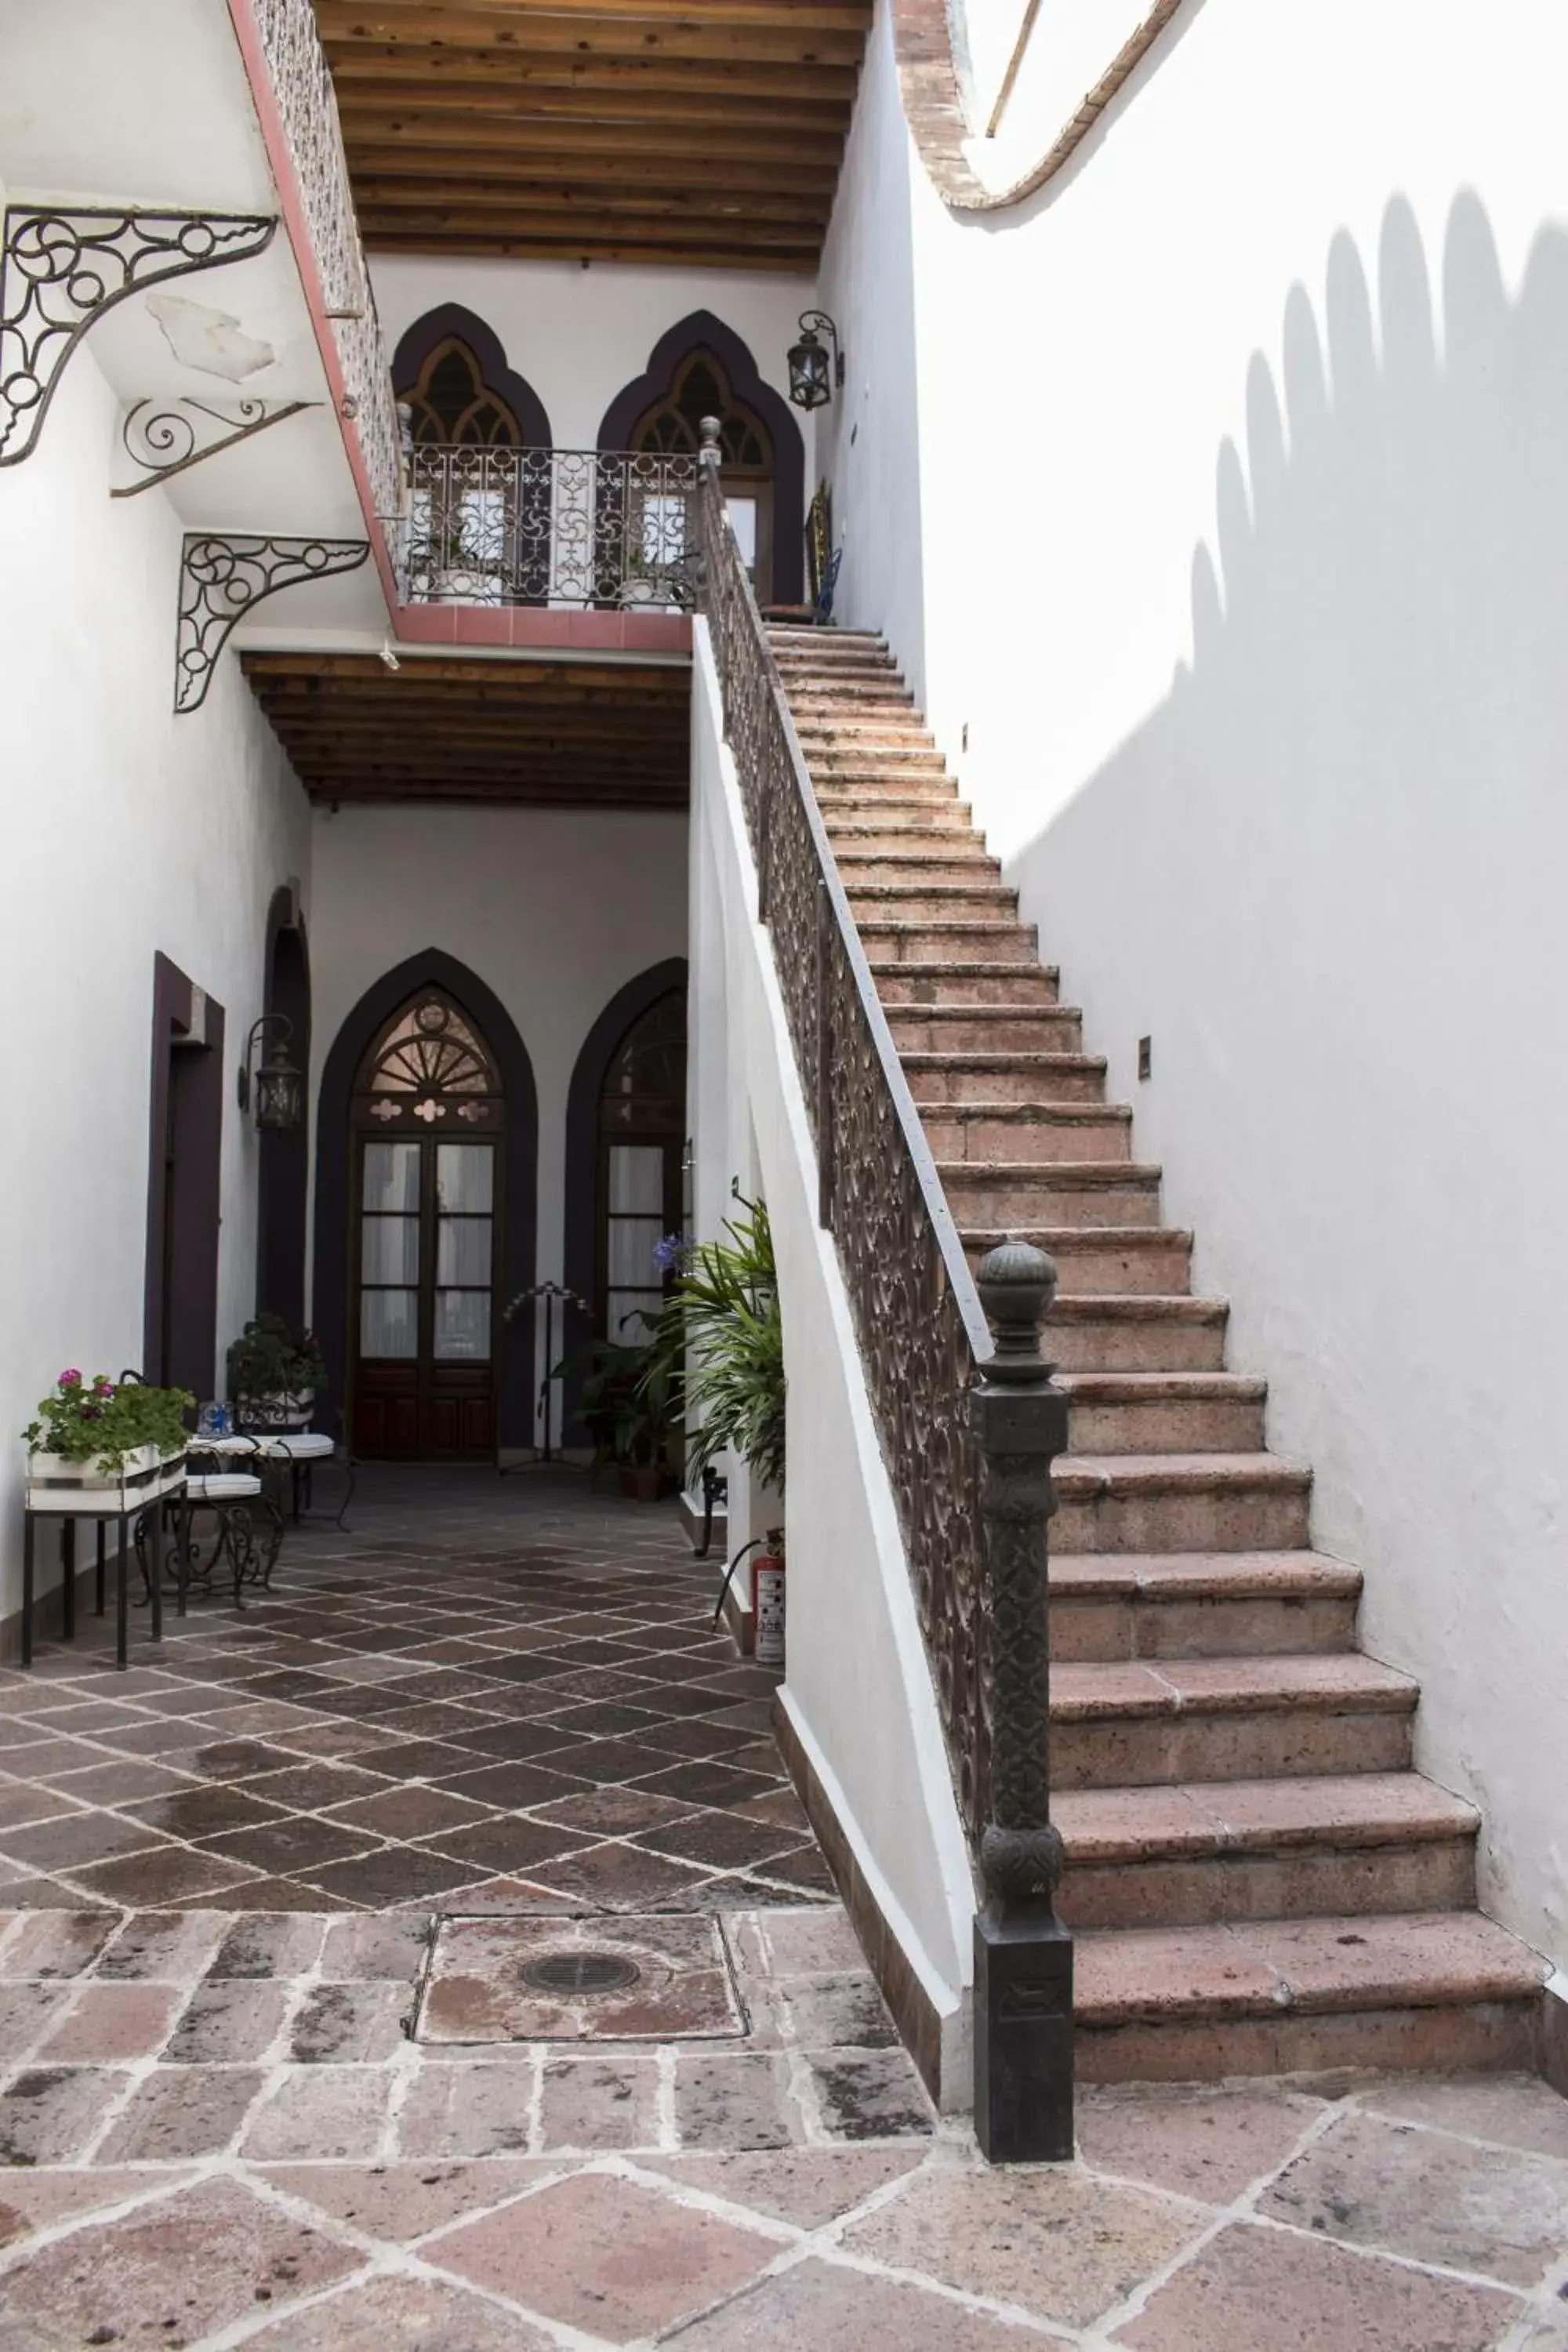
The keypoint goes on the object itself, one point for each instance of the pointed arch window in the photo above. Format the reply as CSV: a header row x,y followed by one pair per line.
x,y
449,402
673,426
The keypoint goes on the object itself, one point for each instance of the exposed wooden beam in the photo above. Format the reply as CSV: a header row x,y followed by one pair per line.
x,y
454,134
397,84
763,173
500,202
810,16
388,236
539,32
694,230
452,669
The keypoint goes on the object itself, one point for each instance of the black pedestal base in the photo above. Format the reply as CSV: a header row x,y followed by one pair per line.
x,y
1023,2035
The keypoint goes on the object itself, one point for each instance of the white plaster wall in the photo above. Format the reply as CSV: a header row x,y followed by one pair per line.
x,y
580,335
126,830
869,435
555,910
857,1684
1244,490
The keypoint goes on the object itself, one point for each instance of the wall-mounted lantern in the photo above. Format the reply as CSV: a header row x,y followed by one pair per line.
x,y
279,1087
812,373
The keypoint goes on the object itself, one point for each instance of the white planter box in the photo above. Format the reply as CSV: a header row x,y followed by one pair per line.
x,y
56,1485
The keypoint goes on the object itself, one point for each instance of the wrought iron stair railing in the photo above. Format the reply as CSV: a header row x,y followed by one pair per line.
x,y
965,1408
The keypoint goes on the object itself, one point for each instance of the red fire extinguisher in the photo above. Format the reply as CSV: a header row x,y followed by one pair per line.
x,y
768,1600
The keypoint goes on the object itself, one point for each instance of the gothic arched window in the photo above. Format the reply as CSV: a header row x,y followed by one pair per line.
x,y
700,387
450,401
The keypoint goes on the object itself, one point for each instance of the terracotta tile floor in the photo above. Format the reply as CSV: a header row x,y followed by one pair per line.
x,y
222,1869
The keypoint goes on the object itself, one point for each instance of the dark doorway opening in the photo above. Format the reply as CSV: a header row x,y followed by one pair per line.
x,y
179,1317
284,1154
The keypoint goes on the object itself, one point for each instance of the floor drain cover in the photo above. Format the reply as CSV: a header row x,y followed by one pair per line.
x,y
532,1977
573,1974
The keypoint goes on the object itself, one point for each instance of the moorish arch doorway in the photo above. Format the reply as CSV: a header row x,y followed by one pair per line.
x,y
425,1218
702,368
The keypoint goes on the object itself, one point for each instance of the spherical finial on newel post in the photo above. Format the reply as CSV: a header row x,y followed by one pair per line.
x,y
707,431
1022,1954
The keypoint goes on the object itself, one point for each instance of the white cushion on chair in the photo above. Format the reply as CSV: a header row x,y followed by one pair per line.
x,y
225,1486
303,1445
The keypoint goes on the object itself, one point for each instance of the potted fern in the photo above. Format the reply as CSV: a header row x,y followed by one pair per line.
x,y
717,1348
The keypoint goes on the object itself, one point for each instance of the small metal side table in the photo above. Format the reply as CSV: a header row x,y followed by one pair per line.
x,y
106,1506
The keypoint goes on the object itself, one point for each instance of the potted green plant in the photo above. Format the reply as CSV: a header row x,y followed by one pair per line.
x,y
627,1413
275,1373
717,1354
117,1444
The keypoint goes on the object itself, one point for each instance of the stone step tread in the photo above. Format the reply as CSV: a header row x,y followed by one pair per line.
x,y
1260,1967
1060,1175
960,968
940,927
1130,1306
924,1057
1159,1388
1031,1114
1051,1238
1028,1011
1218,1817
1121,1690
1184,1576
1080,1476
873,895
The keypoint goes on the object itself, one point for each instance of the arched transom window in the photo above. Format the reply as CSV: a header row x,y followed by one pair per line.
x,y
428,1065
450,401
700,389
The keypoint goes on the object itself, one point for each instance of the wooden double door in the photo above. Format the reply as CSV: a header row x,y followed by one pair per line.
x,y
426,1263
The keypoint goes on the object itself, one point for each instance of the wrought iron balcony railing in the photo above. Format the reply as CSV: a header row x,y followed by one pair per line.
x,y
968,1416
308,111
586,528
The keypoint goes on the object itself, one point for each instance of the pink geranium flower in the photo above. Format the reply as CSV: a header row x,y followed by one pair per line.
x,y
71,1379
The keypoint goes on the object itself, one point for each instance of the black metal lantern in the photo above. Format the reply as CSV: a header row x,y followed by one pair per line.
x,y
279,1086
812,370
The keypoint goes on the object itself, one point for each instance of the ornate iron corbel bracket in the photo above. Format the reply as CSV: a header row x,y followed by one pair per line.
x,y
164,440
223,575
62,266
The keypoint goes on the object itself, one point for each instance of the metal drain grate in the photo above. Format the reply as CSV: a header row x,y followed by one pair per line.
x,y
575,1975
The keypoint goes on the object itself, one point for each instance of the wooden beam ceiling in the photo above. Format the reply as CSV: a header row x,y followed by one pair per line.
x,y
703,131
559,734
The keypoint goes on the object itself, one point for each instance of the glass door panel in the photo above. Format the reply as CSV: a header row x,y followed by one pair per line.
x,y
389,1250
465,1251
634,1286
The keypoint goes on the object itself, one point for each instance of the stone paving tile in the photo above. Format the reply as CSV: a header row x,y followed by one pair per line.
x,y
349,2024
54,1944
870,2095
173,1873
609,2256
1209,2144
171,1946
738,2100
109,2023
828,2308
1254,2290
1418,2192
261,1944
375,1948
33,2200
228,2023
590,2104
401,2202
50,2115
468,2109
321,2111
403,2315
203,2258
1514,2110
181,2111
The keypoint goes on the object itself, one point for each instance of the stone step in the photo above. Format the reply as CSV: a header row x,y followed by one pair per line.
x,y
849,697
976,894
1135,1725
867,788
826,638
1040,1078
990,1029
1109,1605
1146,1261
932,829
1181,1502
1195,1854
1068,1192
955,863
1441,1990
955,940
838,731
963,982
1165,1412
1027,1132
1140,1332
869,660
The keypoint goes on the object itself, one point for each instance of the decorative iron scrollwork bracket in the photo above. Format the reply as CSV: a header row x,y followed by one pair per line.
x,y
165,439
1022,1954
62,266
223,576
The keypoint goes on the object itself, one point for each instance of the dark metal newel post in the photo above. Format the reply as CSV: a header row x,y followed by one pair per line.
x,y
1022,1954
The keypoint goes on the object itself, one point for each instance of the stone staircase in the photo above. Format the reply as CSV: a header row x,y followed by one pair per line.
x,y
1258,1880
